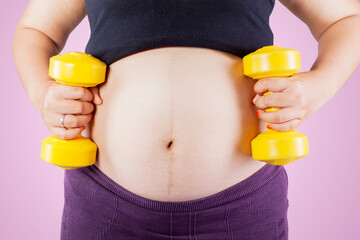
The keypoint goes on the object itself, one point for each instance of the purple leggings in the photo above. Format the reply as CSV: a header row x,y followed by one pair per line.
x,y
98,208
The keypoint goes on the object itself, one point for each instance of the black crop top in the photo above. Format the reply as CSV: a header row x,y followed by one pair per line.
x,y
123,27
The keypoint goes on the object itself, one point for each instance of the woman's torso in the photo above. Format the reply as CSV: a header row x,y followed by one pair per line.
x,y
196,98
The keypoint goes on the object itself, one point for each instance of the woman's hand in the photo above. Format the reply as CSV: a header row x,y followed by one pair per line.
x,y
298,97
59,99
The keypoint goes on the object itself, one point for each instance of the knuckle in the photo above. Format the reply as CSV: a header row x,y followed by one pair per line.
x,y
264,81
88,107
91,94
47,102
52,88
86,121
267,100
299,98
300,113
292,125
67,134
283,128
259,84
294,98
296,83
283,80
73,121
280,117
62,134
297,86
89,116
81,107
92,108
76,121
78,107
80,92
72,135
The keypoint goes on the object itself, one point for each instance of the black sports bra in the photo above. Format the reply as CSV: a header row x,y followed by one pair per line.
x,y
123,27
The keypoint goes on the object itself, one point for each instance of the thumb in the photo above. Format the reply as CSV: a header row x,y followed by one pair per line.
x,y
97,99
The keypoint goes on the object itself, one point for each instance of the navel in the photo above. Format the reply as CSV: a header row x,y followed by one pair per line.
x,y
169,145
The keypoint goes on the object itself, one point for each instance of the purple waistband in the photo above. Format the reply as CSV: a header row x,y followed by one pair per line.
x,y
243,188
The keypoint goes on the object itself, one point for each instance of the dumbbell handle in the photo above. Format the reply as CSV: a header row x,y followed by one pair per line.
x,y
74,69
77,69
271,61
275,147
272,109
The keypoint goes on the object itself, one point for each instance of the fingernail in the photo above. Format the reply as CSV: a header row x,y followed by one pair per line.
x,y
269,126
257,113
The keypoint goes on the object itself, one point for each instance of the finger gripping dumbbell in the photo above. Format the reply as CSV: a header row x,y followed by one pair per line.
x,y
74,69
274,147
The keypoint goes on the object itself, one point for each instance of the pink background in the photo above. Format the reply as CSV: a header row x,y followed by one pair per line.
x,y
323,194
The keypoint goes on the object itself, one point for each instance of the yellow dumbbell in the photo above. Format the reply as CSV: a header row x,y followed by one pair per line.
x,y
74,69
273,147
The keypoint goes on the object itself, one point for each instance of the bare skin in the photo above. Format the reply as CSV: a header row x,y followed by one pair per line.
x,y
180,128
198,100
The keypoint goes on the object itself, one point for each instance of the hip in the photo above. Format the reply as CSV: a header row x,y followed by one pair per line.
x,y
98,208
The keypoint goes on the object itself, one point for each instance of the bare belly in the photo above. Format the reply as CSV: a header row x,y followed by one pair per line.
x,y
176,123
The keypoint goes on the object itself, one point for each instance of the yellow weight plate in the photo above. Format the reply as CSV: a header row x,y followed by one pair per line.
x,y
279,148
70,153
77,69
271,61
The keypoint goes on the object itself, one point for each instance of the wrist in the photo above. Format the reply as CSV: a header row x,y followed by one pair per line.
x,y
327,83
318,89
37,93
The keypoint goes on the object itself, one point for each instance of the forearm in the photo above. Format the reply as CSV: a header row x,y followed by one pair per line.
x,y
338,55
31,51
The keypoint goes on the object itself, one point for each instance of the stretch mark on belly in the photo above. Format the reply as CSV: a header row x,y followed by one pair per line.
x,y
170,143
